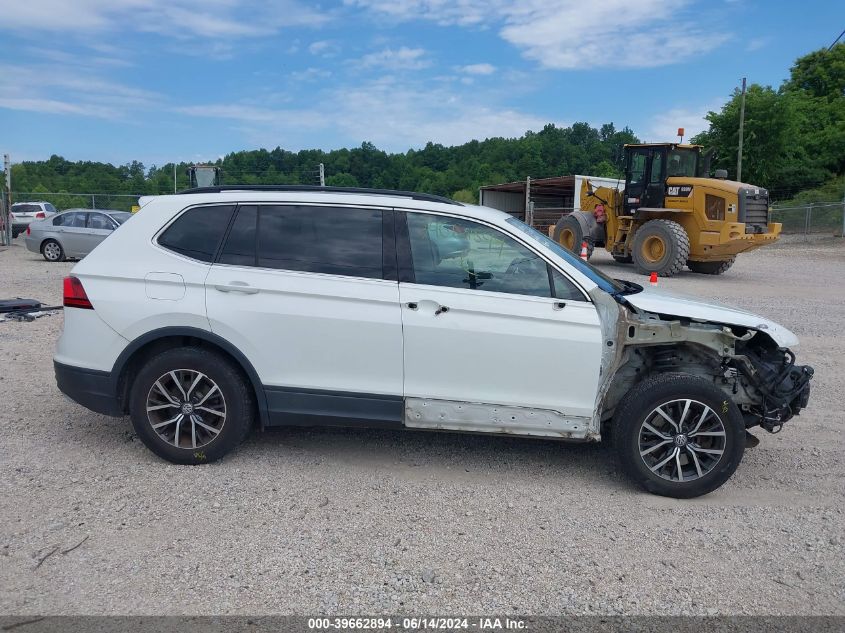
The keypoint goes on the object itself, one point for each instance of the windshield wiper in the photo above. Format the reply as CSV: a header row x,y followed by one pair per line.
x,y
630,287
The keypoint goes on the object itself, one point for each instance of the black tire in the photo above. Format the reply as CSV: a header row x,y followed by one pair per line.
x,y
15,234
623,259
52,251
568,233
237,398
660,246
711,268
638,407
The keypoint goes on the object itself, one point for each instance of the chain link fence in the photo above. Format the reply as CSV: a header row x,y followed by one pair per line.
x,y
818,218
63,200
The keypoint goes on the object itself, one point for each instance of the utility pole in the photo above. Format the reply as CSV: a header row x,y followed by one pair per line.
x,y
174,176
741,126
7,214
322,175
843,216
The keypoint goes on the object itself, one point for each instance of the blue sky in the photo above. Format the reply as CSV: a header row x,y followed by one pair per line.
x,y
189,80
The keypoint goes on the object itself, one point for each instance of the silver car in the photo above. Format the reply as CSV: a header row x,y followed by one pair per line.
x,y
73,233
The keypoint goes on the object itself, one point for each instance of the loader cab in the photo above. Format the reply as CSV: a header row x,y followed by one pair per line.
x,y
203,176
648,166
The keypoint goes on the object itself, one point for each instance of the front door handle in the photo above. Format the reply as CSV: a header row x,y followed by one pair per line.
x,y
237,286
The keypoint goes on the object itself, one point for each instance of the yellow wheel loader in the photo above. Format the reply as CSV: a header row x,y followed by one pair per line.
x,y
670,213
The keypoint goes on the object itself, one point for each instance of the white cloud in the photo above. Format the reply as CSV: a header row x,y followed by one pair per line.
x,y
70,90
407,116
324,48
173,18
756,43
478,69
663,126
403,58
310,74
572,34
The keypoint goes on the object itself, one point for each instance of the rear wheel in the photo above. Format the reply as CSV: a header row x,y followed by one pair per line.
x,y
568,233
190,406
711,268
53,251
678,435
660,246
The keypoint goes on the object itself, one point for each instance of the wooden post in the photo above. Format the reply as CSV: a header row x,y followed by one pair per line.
x,y
529,211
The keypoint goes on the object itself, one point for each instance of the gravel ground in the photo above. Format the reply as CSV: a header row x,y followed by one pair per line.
x,y
306,521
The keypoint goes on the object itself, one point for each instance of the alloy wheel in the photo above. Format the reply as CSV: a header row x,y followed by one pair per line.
x,y
186,408
52,251
682,440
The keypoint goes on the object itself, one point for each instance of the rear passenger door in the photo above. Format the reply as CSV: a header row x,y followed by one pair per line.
x,y
99,227
74,233
309,295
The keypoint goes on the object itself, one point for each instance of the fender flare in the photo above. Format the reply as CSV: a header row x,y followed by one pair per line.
x,y
589,227
126,355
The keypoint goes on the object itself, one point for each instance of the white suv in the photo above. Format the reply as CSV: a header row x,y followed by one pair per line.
x,y
216,309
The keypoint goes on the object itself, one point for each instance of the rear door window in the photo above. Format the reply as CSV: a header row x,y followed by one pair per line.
x,y
75,219
329,240
100,221
197,232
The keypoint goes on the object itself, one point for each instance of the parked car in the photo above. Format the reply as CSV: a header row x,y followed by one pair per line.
x,y
24,213
214,310
73,233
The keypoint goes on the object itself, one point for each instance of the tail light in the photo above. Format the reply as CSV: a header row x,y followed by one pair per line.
x,y
40,215
74,294
28,231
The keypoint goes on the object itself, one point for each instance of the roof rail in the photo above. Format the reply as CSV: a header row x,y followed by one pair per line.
x,y
428,197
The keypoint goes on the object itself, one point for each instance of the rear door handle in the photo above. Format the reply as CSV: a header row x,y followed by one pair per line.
x,y
237,286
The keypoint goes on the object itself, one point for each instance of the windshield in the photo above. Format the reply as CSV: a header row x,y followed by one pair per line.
x,y
599,278
120,216
682,162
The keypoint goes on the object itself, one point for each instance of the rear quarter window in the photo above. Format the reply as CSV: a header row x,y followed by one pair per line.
x,y
197,232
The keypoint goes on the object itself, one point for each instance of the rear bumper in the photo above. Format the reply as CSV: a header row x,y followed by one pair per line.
x,y
93,389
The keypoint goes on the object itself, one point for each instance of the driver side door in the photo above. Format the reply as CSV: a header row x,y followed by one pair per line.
x,y
495,339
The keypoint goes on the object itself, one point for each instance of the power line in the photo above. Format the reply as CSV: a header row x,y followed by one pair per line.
x,y
829,48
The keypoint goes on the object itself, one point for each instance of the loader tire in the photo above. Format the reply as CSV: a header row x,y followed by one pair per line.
x,y
711,268
662,247
568,233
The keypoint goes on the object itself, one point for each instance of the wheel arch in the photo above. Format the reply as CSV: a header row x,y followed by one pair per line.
x,y
147,345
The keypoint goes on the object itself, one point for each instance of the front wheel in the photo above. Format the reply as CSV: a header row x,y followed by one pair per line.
x,y
678,435
190,406
660,246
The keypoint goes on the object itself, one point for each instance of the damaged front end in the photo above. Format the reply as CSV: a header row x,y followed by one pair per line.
x,y
783,388
747,363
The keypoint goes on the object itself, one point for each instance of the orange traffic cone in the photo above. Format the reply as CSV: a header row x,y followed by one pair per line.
x,y
653,279
584,251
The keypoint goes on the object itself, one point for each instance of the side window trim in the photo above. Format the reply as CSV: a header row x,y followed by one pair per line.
x,y
389,254
232,218
406,264
404,260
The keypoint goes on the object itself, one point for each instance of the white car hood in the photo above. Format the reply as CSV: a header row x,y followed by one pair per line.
x,y
702,311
